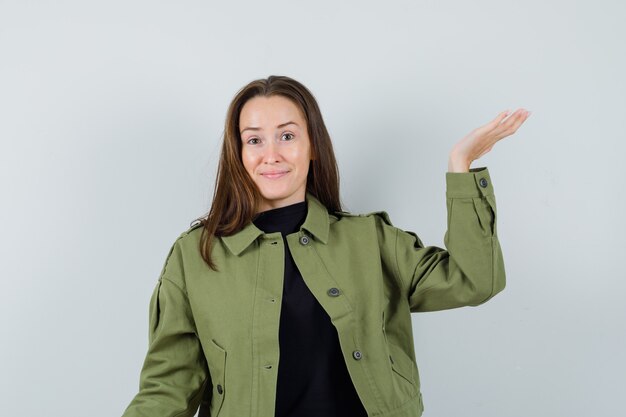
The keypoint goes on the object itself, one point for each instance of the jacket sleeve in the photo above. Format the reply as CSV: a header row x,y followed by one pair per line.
x,y
174,370
471,270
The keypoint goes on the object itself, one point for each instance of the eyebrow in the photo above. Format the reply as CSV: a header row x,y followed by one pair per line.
x,y
279,126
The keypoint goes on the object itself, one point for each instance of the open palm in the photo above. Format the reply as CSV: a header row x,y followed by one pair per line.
x,y
480,140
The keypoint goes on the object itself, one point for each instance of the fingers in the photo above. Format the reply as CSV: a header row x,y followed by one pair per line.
x,y
505,124
512,123
495,122
519,114
498,121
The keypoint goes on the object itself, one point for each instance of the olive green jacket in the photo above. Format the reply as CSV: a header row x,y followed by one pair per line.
x,y
213,336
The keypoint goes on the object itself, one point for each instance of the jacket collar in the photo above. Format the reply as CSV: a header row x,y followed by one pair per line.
x,y
316,223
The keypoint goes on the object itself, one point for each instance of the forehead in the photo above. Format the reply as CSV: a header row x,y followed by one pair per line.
x,y
269,112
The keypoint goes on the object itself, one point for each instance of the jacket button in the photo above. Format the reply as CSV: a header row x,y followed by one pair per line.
x,y
483,182
333,292
304,240
219,388
357,354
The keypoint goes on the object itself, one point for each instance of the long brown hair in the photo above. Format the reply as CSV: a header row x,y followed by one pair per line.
x,y
236,198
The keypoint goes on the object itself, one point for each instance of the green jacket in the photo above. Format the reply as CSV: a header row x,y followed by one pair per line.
x,y
213,336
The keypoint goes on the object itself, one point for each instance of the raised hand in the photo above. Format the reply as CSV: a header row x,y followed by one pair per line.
x,y
480,140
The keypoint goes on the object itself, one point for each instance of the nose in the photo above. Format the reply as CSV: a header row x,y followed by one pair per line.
x,y
272,153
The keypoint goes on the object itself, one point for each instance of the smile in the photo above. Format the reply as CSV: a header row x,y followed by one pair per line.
x,y
275,176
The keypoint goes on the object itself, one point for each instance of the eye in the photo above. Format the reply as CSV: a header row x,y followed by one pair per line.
x,y
248,141
291,134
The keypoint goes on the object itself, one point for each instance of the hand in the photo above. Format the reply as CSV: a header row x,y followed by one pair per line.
x,y
480,140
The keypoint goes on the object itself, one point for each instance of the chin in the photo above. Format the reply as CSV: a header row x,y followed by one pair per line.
x,y
272,195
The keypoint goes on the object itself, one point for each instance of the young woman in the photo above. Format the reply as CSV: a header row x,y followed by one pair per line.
x,y
278,303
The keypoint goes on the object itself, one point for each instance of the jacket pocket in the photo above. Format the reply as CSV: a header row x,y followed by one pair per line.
x,y
401,364
216,358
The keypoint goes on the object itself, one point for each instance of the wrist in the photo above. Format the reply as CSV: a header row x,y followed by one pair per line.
x,y
458,164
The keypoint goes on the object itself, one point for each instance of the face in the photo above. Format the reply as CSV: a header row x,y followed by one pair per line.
x,y
275,149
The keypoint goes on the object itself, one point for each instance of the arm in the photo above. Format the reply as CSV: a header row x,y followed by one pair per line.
x,y
174,370
471,270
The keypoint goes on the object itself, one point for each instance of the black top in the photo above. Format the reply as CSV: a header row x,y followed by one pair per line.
x,y
312,376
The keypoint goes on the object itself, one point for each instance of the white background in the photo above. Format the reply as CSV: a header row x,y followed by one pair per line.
x,y
111,115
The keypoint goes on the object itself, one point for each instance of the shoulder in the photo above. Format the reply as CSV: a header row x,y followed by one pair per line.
x,y
194,227
190,232
182,254
374,225
379,215
188,238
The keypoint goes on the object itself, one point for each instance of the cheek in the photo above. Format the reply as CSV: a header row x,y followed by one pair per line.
x,y
248,160
301,156
306,162
303,163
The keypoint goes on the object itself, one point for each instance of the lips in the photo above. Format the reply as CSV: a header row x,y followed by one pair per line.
x,y
274,174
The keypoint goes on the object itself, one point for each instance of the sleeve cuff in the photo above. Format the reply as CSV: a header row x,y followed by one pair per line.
x,y
475,183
